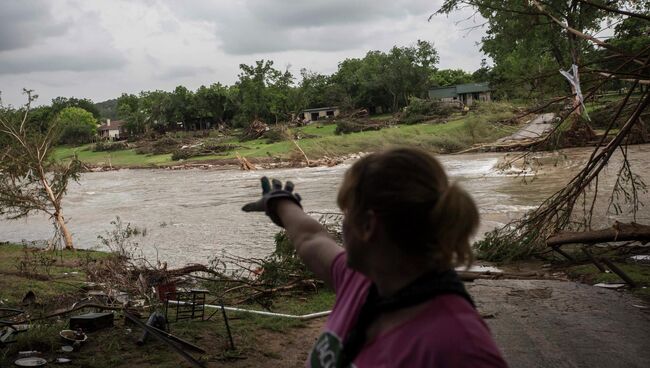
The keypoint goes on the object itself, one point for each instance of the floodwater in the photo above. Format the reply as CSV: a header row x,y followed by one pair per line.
x,y
193,215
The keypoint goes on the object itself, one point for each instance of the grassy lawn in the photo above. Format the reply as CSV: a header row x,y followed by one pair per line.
x,y
452,136
124,158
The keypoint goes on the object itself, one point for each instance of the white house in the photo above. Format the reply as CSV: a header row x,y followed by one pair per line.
x,y
113,130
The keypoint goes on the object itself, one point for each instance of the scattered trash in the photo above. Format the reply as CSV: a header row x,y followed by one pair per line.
x,y
641,258
75,337
91,321
62,360
67,349
28,353
168,339
610,286
30,362
157,320
640,306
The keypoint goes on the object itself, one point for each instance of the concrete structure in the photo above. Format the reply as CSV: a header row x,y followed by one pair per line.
x,y
465,93
319,113
113,130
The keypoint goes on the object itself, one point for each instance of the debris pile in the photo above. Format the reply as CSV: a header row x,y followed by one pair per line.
x,y
255,130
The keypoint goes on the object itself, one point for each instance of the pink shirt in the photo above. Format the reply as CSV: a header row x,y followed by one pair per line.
x,y
447,333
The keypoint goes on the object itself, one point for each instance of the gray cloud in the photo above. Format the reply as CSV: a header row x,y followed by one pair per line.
x,y
24,22
35,61
262,26
183,71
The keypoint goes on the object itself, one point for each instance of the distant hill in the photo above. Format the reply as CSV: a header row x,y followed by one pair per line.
x,y
108,109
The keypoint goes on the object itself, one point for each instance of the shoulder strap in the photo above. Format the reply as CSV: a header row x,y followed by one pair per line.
x,y
421,290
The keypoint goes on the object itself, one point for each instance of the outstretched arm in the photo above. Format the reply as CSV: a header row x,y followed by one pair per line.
x,y
312,242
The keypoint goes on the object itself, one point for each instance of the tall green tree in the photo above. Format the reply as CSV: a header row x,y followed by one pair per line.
x,y
450,77
77,126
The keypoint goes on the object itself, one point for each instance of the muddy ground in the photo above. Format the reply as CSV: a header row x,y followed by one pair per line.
x,y
536,323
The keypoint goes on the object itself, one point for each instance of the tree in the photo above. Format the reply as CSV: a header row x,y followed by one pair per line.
x,y
388,80
257,87
61,103
129,110
530,40
78,126
30,180
450,77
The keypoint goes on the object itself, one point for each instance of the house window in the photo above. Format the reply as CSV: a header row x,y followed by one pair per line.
x,y
314,116
330,113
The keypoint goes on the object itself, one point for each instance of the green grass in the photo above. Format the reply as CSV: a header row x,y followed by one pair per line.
x,y
459,133
49,283
638,272
124,158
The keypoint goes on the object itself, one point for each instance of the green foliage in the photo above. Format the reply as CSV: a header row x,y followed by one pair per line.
x,y
120,239
30,181
423,109
277,133
78,126
283,265
109,146
346,126
388,80
528,48
450,77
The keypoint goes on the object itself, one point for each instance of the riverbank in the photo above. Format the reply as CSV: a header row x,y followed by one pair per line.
x,y
541,320
59,280
318,142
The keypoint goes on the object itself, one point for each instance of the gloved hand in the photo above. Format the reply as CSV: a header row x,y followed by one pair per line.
x,y
270,196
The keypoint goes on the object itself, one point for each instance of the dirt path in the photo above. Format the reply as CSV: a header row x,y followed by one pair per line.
x,y
536,323
544,323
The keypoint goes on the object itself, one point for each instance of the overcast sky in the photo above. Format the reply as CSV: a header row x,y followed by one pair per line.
x,y
98,49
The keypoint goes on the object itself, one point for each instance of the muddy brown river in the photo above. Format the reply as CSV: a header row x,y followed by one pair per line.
x,y
192,215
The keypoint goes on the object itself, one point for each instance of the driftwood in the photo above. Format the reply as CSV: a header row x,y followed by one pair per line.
x,y
618,232
244,164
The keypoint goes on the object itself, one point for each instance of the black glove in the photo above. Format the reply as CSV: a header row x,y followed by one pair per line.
x,y
270,196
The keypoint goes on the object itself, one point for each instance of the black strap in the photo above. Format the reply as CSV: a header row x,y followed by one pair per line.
x,y
423,289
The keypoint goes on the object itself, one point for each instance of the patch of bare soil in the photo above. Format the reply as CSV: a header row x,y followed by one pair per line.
x,y
279,349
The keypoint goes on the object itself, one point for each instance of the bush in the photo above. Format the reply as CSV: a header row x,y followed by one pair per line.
x,y
277,133
110,146
161,146
422,109
354,126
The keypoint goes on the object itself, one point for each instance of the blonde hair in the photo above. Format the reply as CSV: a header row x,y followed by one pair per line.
x,y
422,212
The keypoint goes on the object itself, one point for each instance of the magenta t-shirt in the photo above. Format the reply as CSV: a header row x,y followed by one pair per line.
x,y
447,333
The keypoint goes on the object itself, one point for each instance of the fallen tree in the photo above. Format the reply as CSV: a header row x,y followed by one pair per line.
x,y
618,232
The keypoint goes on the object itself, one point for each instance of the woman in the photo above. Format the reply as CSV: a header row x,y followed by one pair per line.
x,y
399,302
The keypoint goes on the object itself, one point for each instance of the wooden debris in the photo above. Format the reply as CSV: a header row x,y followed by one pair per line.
x,y
618,232
244,164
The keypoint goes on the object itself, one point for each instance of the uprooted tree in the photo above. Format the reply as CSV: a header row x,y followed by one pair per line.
x,y
30,179
561,29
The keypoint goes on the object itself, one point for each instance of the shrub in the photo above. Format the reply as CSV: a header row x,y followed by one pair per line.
x,y
277,133
110,146
419,108
354,126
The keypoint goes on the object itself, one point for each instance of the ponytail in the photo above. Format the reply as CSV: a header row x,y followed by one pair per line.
x,y
454,219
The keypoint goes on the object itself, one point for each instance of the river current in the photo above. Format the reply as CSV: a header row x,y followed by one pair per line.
x,y
192,215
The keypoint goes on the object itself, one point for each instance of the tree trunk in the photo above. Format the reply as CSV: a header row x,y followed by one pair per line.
x,y
67,237
58,217
618,232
